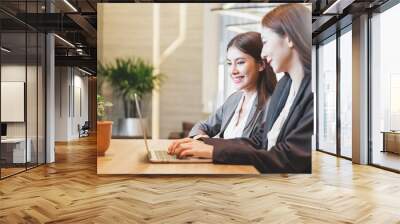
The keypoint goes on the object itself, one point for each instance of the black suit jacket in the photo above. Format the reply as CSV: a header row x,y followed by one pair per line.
x,y
292,152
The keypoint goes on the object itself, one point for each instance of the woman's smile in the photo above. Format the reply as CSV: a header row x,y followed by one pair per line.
x,y
243,69
237,79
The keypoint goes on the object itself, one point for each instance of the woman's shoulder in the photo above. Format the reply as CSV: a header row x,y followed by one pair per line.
x,y
283,81
234,96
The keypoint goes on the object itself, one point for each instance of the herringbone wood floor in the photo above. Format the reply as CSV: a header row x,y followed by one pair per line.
x,y
69,191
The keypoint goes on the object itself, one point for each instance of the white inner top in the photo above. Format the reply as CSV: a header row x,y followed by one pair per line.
x,y
235,128
276,128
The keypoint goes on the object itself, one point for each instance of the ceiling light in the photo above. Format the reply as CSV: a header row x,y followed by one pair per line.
x,y
70,5
84,71
337,7
5,50
64,40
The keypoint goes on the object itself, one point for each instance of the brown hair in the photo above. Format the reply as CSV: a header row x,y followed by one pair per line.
x,y
250,43
293,20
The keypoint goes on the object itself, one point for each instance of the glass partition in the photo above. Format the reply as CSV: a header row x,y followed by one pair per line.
x,y
346,93
22,88
327,95
13,86
385,89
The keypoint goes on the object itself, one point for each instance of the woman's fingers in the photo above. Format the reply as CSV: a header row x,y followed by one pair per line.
x,y
176,143
186,153
171,146
182,147
193,148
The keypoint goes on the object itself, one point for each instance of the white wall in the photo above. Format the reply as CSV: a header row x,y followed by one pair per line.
x,y
126,30
314,89
61,103
67,114
33,127
211,39
80,118
16,73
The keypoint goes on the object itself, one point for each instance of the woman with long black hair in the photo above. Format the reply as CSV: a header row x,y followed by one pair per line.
x,y
255,81
283,143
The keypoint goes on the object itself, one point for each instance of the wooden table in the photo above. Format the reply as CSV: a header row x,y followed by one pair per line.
x,y
391,141
129,156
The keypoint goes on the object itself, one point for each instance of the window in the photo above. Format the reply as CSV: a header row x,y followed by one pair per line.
x,y
327,96
346,93
385,88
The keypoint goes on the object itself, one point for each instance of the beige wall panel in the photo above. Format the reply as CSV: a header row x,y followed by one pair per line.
x,y
126,30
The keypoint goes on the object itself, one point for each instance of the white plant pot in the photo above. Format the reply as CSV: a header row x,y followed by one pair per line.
x,y
130,127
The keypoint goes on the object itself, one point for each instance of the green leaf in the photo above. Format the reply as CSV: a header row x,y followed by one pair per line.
x,y
130,76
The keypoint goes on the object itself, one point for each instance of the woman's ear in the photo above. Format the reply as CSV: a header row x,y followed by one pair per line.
x,y
262,65
289,41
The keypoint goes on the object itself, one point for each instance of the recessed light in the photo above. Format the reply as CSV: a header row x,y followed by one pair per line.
x,y
338,6
70,5
5,50
86,72
64,40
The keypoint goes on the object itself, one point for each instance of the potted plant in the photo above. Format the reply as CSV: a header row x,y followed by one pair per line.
x,y
104,126
129,77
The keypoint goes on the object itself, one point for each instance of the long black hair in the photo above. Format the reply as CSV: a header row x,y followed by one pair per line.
x,y
251,43
293,20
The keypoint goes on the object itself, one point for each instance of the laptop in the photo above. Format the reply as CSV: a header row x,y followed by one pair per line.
x,y
160,155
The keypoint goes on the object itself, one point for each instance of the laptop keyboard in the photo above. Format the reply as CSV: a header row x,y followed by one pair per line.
x,y
164,156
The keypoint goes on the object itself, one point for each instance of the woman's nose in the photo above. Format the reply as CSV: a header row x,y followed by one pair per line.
x,y
234,69
264,53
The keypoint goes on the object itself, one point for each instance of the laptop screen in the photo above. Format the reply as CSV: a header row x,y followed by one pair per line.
x,y
141,123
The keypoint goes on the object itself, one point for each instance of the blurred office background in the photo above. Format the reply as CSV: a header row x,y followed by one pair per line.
x,y
355,77
51,47
189,41
48,83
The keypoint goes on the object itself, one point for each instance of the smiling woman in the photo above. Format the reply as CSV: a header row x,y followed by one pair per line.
x,y
281,32
283,143
255,81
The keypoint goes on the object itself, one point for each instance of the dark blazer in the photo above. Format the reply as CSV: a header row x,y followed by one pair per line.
x,y
216,124
292,152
